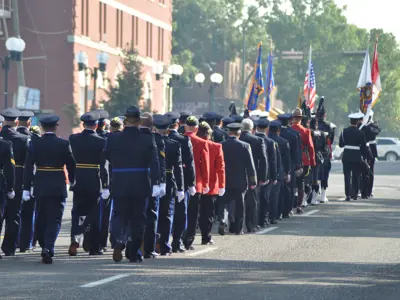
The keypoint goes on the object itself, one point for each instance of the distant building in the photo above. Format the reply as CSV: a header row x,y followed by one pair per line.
x,y
55,31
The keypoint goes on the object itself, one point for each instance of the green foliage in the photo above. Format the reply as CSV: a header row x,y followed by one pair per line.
x,y
129,88
71,111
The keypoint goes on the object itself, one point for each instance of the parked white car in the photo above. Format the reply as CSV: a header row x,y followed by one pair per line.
x,y
388,149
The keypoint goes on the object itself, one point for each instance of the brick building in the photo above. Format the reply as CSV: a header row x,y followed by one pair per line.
x,y
55,31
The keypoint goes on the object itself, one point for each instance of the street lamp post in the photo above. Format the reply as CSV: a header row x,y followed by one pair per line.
x,y
15,47
82,59
216,80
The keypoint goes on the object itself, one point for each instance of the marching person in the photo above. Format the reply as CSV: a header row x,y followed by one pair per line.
x,y
90,175
116,125
12,212
279,203
7,177
329,130
220,134
295,158
355,148
135,178
308,155
265,191
146,125
182,121
26,230
260,160
217,184
201,155
174,184
49,154
240,175
371,131
180,214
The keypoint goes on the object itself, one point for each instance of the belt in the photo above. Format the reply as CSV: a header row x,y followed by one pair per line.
x,y
125,170
352,147
50,169
168,171
371,143
87,166
19,166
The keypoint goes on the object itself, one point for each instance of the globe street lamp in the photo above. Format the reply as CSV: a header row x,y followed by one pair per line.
x,y
199,78
216,80
82,59
15,47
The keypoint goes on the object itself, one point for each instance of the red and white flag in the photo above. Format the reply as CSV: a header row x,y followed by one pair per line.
x,y
376,78
310,86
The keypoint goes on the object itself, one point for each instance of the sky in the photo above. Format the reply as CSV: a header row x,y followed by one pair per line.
x,y
371,14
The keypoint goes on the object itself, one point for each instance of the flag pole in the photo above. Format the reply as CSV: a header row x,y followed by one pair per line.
x,y
309,76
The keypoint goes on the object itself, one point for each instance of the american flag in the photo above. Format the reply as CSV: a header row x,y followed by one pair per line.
x,y
310,89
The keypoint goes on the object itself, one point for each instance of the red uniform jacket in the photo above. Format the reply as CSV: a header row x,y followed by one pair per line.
x,y
201,158
217,168
307,145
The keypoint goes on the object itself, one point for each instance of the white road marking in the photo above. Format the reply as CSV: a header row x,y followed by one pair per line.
x,y
66,222
105,280
311,212
202,251
341,199
266,230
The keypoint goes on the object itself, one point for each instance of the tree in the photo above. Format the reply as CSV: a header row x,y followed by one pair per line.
x,y
128,89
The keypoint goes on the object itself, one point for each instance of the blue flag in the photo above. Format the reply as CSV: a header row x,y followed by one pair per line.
x,y
270,81
257,86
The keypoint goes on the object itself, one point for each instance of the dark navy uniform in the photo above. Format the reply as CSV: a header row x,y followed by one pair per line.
x,y
87,148
355,148
259,154
265,191
49,154
174,183
135,170
240,175
13,209
280,204
7,175
182,120
180,214
371,131
153,205
106,203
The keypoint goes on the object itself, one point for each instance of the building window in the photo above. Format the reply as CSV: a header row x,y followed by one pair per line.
x,y
160,55
135,25
149,40
120,30
85,17
162,2
102,21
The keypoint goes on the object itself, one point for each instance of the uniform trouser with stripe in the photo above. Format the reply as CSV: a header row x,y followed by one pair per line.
x,y
3,203
324,173
129,211
351,171
85,213
207,216
105,222
179,224
371,176
50,212
192,217
274,200
234,200
263,208
165,219
250,201
151,225
26,231
12,218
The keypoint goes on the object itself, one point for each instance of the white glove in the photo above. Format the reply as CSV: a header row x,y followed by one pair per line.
x,y
26,195
11,195
192,191
221,192
206,190
156,191
180,195
105,194
288,178
163,189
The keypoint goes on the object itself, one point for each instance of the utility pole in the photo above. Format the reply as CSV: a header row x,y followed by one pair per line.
x,y
15,17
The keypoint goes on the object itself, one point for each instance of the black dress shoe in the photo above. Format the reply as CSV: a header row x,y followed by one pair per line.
x,y
117,254
178,250
286,216
221,228
274,221
151,255
210,242
73,249
347,199
47,260
136,259
95,252
9,253
191,247
299,211
166,253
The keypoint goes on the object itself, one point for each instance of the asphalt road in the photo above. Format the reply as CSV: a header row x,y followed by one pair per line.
x,y
335,251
